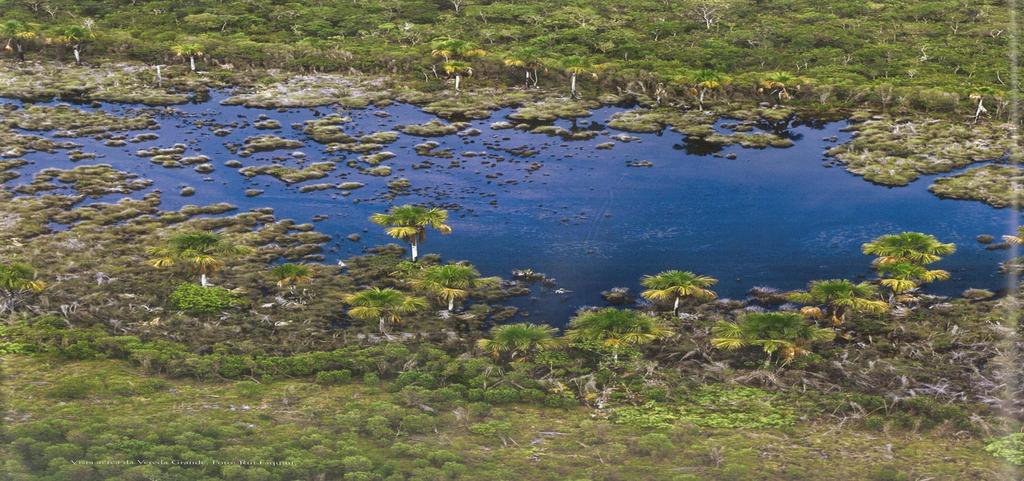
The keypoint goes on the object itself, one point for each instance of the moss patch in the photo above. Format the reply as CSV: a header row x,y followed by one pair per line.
x,y
290,175
90,180
433,128
995,185
896,151
72,122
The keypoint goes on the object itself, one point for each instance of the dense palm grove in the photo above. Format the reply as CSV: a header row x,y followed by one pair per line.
x,y
205,344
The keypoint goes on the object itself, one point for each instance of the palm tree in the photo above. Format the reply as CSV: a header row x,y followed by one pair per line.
x,y
458,68
901,277
409,223
518,340
677,285
455,52
785,333
14,34
190,50
979,94
840,296
778,83
291,275
386,306
74,36
575,66
615,328
17,280
704,81
912,247
451,282
203,252
530,59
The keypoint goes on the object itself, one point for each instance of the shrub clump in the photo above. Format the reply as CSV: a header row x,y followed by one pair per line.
x,y
196,299
1009,447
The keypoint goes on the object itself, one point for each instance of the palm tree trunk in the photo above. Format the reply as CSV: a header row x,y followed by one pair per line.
x,y
78,55
192,62
415,251
572,85
203,280
535,78
159,77
701,99
21,52
675,307
458,80
451,304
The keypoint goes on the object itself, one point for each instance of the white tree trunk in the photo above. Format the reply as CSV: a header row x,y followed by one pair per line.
x,y
203,280
458,80
572,85
415,251
78,55
675,308
981,109
192,62
701,99
159,77
451,304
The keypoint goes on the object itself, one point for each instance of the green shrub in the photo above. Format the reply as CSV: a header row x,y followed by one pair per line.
x,y
716,406
73,388
498,429
441,457
648,416
249,389
888,473
417,423
1009,447
341,376
196,299
378,427
415,378
501,395
654,444
135,387
357,463
933,412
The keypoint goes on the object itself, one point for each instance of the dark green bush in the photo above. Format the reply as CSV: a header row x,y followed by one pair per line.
x,y
654,444
341,376
73,388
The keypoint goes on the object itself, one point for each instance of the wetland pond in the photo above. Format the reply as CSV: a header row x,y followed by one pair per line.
x,y
776,217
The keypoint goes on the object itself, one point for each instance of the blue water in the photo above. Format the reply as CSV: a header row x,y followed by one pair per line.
x,y
770,217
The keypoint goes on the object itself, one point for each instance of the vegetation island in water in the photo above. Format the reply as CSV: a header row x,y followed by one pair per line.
x,y
222,227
